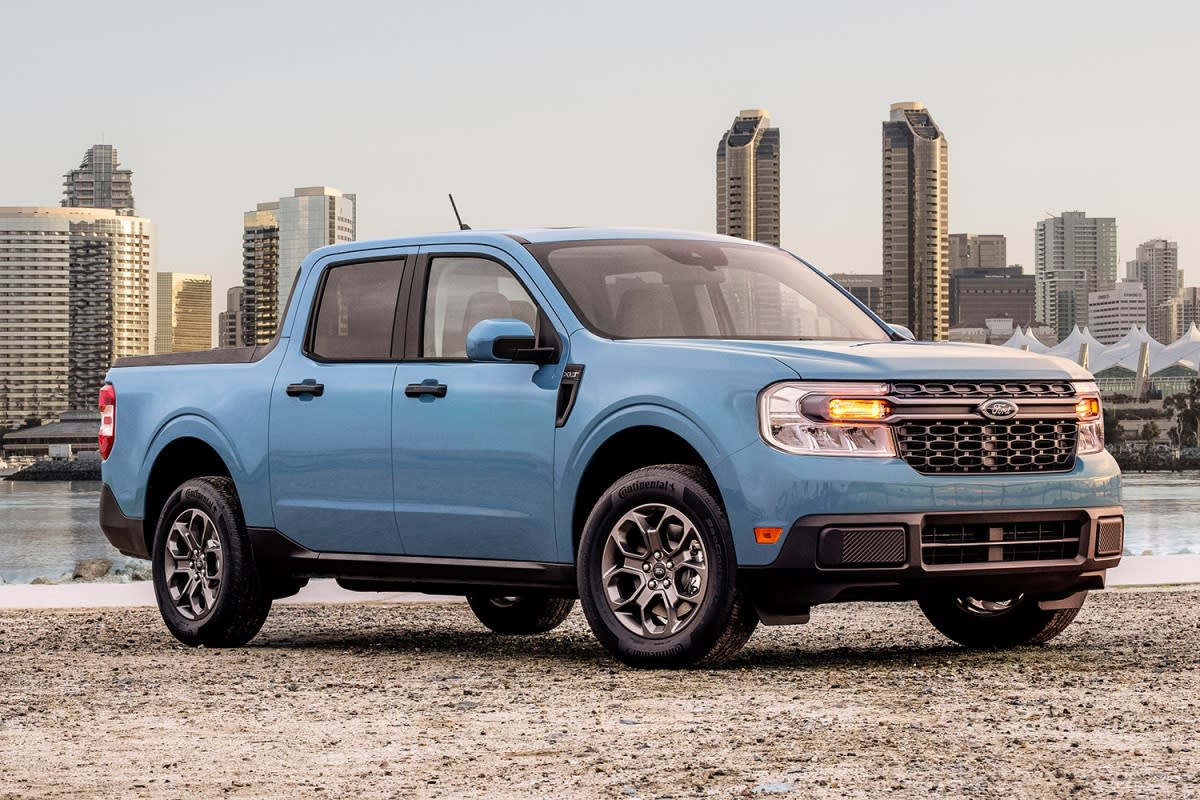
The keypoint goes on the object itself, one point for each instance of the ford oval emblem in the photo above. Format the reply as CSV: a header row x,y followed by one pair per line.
x,y
998,409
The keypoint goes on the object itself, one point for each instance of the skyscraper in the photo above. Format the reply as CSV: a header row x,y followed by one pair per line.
x,y
748,178
1157,269
915,223
1076,255
1113,312
99,182
184,322
276,237
231,321
74,296
978,251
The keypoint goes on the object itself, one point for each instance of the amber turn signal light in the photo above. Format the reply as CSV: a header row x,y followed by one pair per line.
x,y
858,408
767,535
1088,408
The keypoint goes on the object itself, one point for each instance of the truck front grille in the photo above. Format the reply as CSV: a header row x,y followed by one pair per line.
x,y
983,390
957,446
982,542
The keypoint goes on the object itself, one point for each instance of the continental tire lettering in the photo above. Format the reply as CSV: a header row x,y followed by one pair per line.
x,y
655,485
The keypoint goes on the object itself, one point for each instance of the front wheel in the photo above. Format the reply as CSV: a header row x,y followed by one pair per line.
x,y
657,573
1007,622
204,578
530,613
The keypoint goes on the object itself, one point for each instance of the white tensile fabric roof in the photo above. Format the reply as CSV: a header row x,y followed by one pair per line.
x,y
1184,352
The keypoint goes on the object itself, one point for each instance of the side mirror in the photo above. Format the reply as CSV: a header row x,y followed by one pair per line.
x,y
505,340
903,331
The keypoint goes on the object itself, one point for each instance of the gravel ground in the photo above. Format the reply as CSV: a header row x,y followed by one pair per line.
x,y
417,700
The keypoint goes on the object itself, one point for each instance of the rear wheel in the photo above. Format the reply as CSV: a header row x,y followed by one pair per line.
x,y
657,572
991,623
204,578
530,613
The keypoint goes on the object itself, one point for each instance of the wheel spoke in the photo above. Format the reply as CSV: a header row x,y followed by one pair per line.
x,y
193,564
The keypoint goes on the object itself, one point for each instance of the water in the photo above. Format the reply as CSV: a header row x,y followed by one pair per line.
x,y
46,528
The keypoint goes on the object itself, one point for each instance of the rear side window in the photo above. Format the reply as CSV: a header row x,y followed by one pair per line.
x,y
356,312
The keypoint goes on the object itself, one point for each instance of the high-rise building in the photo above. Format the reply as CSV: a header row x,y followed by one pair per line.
x,y
1076,255
748,178
260,273
184,322
74,296
865,287
231,321
978,294
1157,269
916,236
1178,314
978,251
99,182
1112,313
276,237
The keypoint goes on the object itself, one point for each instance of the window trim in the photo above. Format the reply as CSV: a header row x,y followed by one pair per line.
x,y
310,328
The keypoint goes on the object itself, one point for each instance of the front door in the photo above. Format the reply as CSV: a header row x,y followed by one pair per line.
x,y
330,429
473,454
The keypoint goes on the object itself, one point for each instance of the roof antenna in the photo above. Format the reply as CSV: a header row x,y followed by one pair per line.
x,y
461,225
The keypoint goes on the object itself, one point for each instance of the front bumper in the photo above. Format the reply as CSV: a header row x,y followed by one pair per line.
x,y
1051,553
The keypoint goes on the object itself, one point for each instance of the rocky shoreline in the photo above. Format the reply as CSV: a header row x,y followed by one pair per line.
x,y
57,471
98,570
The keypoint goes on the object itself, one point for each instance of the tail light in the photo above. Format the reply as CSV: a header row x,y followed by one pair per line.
x,y
108,418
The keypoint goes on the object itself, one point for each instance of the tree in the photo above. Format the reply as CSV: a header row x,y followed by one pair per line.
x,y
1112,428
1150,431
1186,407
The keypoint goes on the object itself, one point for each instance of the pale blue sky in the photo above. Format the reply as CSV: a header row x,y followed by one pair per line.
x,y
557,113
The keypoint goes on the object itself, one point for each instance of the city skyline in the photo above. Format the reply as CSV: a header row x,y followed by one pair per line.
x,y
207,148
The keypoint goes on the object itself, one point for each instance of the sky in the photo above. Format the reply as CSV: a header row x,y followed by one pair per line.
x,y
552,112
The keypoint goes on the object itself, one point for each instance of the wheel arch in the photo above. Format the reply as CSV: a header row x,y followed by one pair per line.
x,y
644,441
184,450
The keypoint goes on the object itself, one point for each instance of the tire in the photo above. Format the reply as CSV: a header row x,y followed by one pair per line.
x,y
663,598
990,624
204,578
530,613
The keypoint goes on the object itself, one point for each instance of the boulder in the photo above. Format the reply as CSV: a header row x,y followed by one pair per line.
x,y
91,569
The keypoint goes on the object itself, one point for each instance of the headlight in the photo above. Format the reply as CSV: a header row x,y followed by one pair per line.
x,y
1091,418
827,419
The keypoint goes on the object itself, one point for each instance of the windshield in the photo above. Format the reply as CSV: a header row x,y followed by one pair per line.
x,y
645,288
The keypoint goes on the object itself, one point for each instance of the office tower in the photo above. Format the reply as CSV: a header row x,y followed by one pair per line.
x,y
74,296
916,241
748,178
978,251
99,182
865,287
1076,255
1177,315
980,294
1157,269
1113,312
276,237
230,322
260,273
184,313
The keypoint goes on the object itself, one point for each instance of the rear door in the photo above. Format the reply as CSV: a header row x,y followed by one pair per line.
x,y
331,428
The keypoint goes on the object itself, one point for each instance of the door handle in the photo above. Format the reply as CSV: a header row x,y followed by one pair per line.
x,y
430,388
307,387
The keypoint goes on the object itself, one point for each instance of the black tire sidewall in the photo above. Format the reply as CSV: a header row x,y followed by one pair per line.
x,y
676,488
1022,624
240,591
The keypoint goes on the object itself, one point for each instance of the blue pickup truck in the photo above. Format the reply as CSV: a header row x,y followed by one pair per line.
x,y
690,434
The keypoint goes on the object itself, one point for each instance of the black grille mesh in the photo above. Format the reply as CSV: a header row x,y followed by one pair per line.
x,y
1111,538
972,543
935,447
863,546
983,389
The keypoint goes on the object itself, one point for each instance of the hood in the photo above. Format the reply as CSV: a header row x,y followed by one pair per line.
x,y
892,361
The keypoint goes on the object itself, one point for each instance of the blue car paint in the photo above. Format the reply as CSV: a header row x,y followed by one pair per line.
x,y
489,477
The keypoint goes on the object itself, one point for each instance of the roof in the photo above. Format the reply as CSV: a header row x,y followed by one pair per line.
x,y
504,237
72,426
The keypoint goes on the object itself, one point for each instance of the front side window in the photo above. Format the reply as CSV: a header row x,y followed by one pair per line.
x,y
632,289
463,291
356,312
